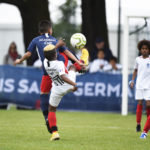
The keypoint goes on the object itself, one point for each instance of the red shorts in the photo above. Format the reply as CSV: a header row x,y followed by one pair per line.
x,y
46,84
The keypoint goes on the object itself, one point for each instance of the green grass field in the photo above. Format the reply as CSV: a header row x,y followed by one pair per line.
x,y
25,130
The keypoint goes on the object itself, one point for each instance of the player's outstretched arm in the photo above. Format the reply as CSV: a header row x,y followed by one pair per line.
x,y
72,57
24,57
133,78
60,43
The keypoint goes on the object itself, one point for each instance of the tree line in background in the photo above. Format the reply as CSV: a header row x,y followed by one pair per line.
x,y
93,20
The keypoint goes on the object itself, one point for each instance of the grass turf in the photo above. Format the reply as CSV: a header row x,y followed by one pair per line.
x,y
26,130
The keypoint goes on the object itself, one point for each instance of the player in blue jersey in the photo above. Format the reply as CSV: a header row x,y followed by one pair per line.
x,y
63,54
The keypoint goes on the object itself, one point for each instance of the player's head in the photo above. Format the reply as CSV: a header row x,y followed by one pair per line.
x,y
45,26
100,54
50,52
144,47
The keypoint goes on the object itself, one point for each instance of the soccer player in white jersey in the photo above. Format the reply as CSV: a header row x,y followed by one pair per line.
x,y
63,81
142,71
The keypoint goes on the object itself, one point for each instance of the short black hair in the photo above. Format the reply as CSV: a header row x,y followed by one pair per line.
x,y
44,26
113,58
143,42
50,55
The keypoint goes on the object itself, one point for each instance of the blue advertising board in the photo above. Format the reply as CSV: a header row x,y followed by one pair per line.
x,y
96,91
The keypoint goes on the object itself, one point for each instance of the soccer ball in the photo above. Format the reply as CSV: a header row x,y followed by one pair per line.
x,y
78,40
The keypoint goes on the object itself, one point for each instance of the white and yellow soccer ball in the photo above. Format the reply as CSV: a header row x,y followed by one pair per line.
x,y
78,40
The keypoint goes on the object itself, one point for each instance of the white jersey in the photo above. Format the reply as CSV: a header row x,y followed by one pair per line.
x,y
59,88
55,69
95,65
143,72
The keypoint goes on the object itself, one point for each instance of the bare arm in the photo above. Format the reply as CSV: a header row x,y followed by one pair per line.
x,y
133,78
24,57
72,57
134,74
67,80
59,43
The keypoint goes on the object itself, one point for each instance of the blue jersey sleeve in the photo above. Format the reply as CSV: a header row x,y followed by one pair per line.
x,y
32,46
62,48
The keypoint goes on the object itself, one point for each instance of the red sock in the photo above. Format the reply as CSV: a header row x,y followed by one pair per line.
x,y
148,111
77,66
139,113
52,121
147,125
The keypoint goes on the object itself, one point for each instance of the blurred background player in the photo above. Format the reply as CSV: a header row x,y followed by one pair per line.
x,y
63,82
63,54
84,58
142,71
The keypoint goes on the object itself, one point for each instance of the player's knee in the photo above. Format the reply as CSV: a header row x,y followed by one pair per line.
x,y
140,102
52,108
44,93
148,103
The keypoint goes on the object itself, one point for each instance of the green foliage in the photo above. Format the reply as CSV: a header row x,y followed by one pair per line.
x,y
65,31
68,10
66,26
26,130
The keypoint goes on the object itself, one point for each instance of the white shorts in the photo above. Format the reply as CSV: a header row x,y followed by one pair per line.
x,y
58,92
142,94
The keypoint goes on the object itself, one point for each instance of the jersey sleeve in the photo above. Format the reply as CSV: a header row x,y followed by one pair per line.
x,y
136,64
62,48
32,46
61,68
